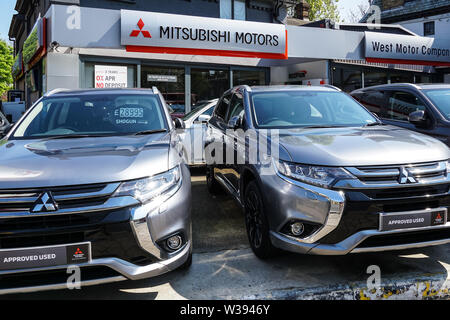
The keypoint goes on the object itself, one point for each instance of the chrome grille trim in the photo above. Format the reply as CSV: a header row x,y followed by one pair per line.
x,y
389,176
107,191
18,203
110,204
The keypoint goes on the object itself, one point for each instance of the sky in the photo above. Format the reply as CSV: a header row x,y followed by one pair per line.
x,y
7,11
346,6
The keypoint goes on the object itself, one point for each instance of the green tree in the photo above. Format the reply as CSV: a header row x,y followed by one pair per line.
x,y
323,9
6,62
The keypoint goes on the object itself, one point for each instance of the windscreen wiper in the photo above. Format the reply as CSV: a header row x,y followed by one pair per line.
x,y
141,133
321,127
73,136
373,124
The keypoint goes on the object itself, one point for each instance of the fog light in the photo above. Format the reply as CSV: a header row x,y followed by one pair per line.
x,y
297,228
174,243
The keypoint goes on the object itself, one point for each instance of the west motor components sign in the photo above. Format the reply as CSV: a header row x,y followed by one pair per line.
x,y
179,34
392,48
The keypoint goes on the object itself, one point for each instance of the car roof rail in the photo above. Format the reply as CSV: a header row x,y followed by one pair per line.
x,y
55,91
247,87
155,90
332,87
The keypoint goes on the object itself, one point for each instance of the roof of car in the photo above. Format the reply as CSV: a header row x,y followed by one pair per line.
x,y
69,92
418,86
292,87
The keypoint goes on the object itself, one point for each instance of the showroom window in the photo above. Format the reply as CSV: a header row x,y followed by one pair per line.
x,y
347,79
207,84
170,81
249,77
375,77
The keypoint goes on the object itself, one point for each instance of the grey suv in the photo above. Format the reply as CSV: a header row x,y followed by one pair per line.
x,y
96,179
338,182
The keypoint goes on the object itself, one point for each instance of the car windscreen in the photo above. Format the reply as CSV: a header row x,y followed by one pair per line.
x,y
441,99
99,114
195,110
292,109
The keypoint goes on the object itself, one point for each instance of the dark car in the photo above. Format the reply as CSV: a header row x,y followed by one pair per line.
x,y
341,182
424,108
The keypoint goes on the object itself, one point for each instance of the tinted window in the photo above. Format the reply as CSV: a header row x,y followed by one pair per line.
x,y
441,99
308,108
401,104
236,106
374,100
222,107
93,114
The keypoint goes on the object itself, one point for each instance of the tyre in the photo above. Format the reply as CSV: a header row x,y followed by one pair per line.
x,y
257,224
213,185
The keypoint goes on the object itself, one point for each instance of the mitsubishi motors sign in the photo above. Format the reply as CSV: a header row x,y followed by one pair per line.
x,y
180,34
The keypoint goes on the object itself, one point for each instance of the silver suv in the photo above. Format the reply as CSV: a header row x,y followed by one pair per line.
x,y
332,180
95,179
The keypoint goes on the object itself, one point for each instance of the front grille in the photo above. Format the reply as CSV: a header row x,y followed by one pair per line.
x,y
363,207
68,198
41,240
407,192
424,173
50,222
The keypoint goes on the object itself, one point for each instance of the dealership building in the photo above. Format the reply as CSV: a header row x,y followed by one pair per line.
x,y
194,50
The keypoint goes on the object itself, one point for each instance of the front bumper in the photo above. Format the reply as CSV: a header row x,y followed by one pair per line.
x,y
347,221
126,243
123,270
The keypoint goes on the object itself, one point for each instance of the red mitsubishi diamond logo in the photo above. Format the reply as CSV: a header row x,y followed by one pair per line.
x,y
141,25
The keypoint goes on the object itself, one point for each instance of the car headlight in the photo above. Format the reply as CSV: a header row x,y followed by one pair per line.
x,y
448,166
320,176
147,189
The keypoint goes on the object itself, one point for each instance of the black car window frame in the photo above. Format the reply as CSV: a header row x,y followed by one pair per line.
x,y
220,104
231,108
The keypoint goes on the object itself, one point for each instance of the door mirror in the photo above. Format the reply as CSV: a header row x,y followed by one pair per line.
x,y
204,118
235,122
418,118
179,123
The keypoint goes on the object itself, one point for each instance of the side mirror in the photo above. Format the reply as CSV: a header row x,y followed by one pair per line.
x,y
204,118
418,118
179,123
235,122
